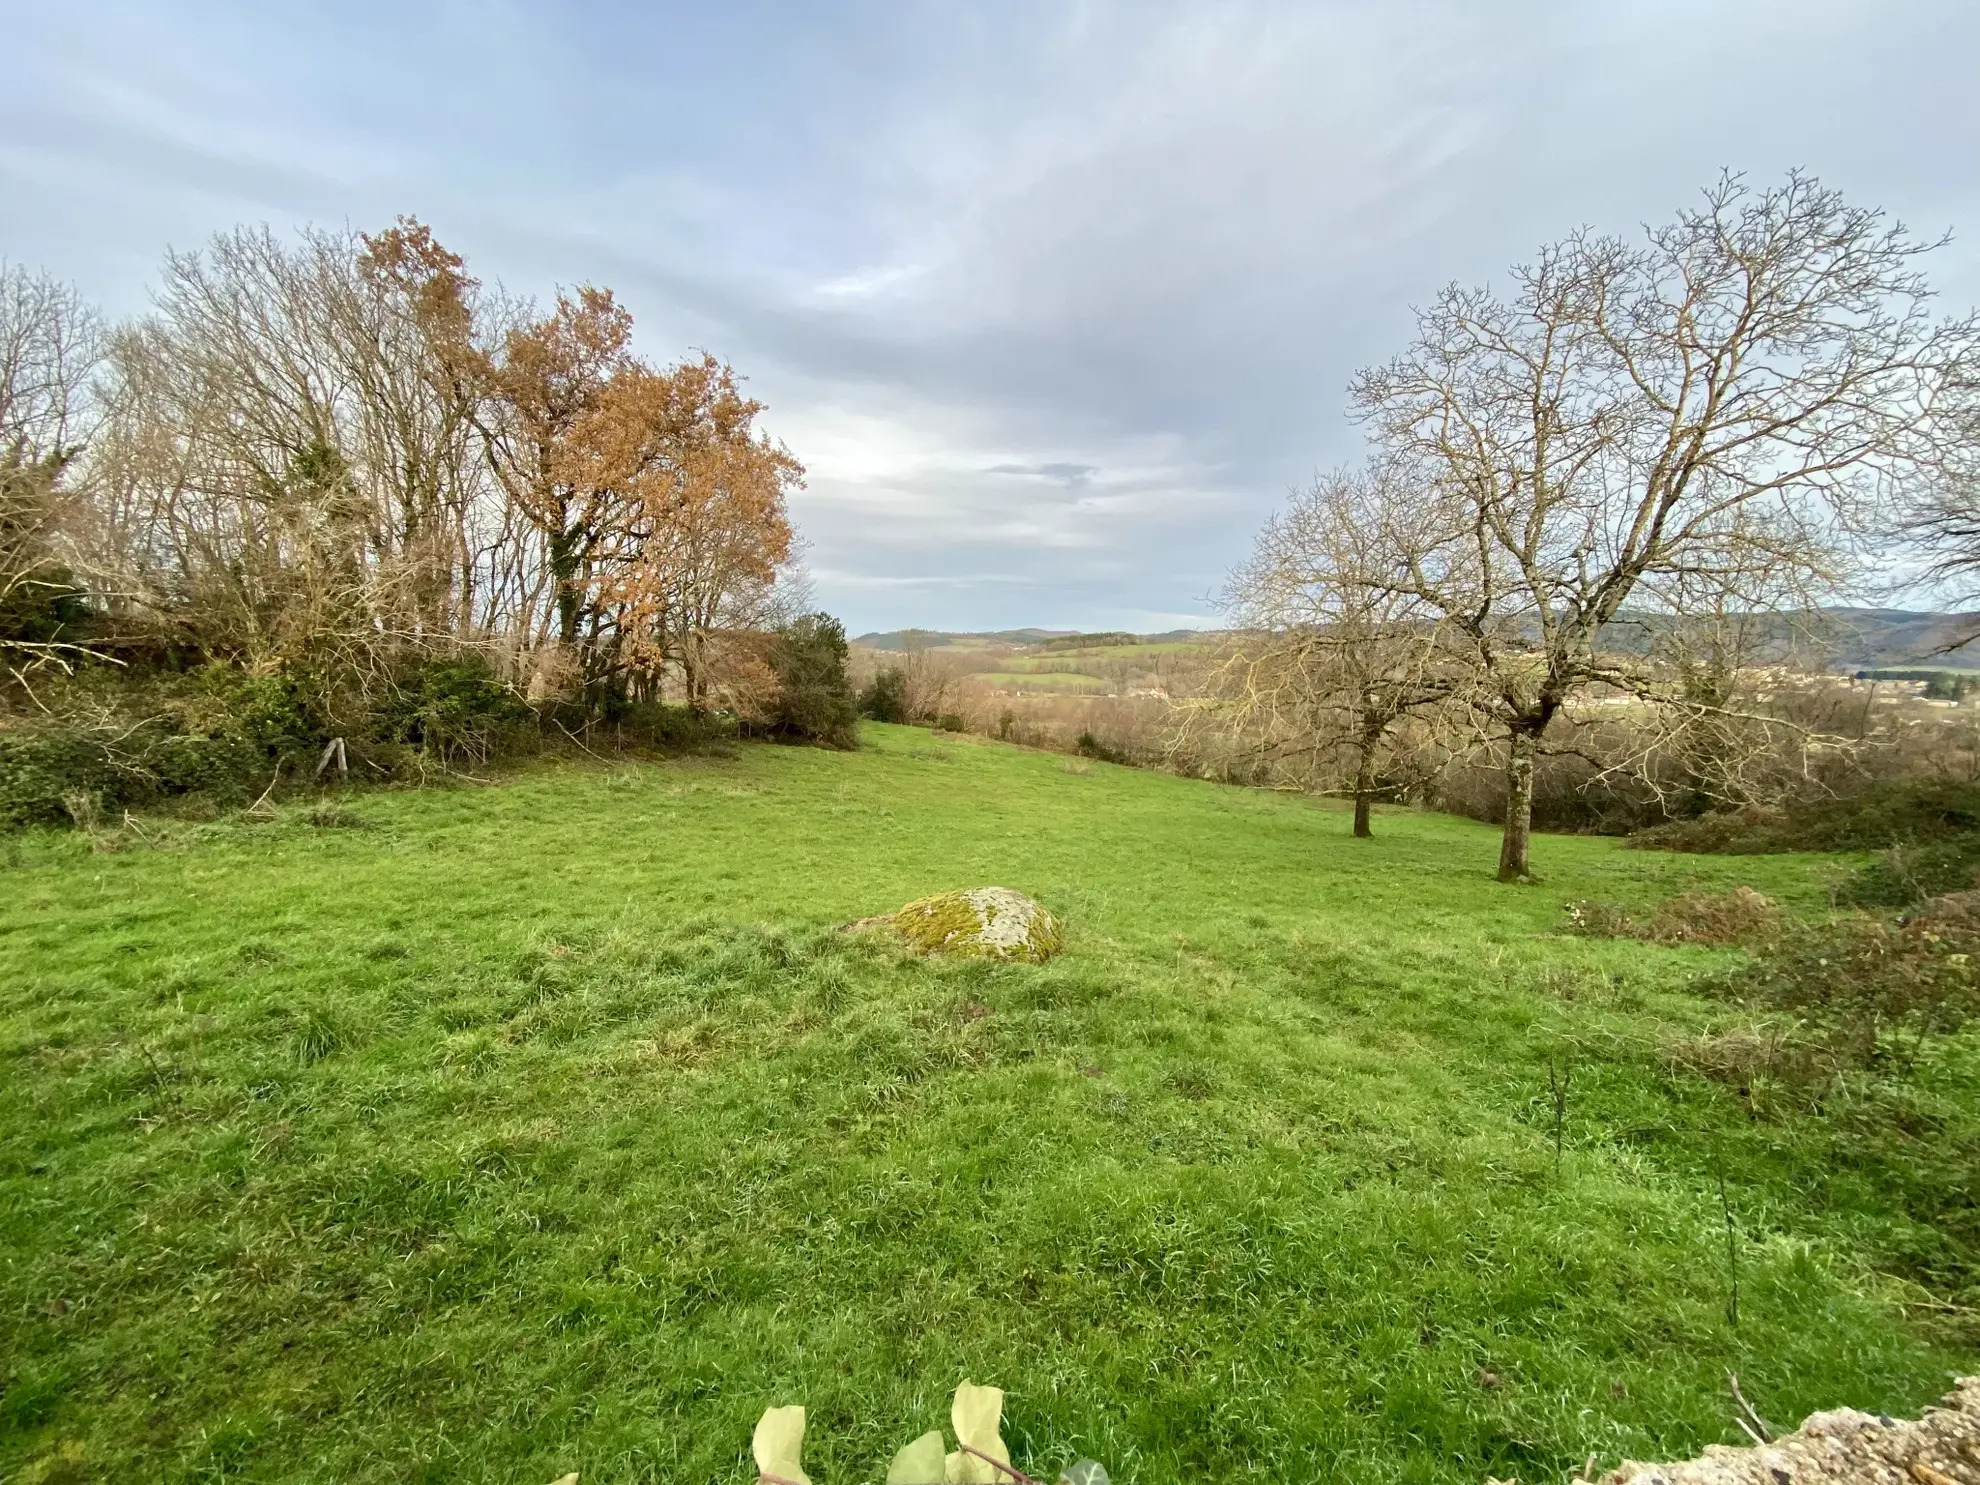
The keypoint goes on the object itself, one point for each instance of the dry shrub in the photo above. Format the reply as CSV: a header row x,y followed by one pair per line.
x,y
1948,913
1741,916
1787,1055
1718,919
739,675
1593,918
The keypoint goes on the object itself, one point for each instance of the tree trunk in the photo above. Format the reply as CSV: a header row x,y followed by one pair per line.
x,y
1364,791
691,671
1519,806
563,573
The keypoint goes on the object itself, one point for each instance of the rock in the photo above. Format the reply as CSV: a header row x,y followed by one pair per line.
x,y
984,923
1844,1447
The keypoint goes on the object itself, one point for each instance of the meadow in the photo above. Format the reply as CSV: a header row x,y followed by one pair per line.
x,y
494,1132
1053,681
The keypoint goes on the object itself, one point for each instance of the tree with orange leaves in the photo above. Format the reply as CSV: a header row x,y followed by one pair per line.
x,y
708,527
547,383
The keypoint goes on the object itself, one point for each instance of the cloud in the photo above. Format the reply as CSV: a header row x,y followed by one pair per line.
x,y
1055,302
1072,476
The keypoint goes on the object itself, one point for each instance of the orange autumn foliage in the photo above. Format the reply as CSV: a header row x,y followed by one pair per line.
x,y
707,526
662,509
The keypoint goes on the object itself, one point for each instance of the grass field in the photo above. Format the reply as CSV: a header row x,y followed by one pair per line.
x,y
485,1134
1056,681
1133,652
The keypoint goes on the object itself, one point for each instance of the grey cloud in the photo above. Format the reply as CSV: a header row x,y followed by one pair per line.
x,y
1072,476
1054,301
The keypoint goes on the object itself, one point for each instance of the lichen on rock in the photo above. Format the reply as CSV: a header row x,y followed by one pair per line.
x,y
983,922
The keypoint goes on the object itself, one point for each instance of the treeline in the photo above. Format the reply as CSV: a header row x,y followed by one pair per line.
x,y
395,503
1940,685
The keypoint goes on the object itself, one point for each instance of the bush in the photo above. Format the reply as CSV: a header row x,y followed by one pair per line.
x,y
1592,918
1717,919
224,726
109,741
1570,793
1862,978
43,765
49,610
1909,873
667,726
815,700
1859,992
1749,830
1090,746
1886,814
886,697
452,710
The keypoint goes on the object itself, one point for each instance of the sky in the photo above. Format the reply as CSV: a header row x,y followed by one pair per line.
x,y
1055,301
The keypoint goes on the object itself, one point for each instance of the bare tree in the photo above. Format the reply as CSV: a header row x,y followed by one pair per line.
x,y
1941,521
931,680
1331,658
1724,400
50,343
284,475
1711,717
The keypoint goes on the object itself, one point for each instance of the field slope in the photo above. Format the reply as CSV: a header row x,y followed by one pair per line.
x,y
491,1133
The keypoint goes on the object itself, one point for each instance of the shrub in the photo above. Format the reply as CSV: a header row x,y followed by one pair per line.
x,y
1890,813
1593,918
1570,793
1718,919
1090,746
275,713
1909,873
109,741
1741,916
1862,977
664,725
51,609
1744,831
1784,1053
885,698
815,700
451,709
44,765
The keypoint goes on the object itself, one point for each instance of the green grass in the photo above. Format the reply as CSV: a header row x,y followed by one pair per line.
x,y
551,1126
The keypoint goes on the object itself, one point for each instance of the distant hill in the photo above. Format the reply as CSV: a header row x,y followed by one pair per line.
x,y
948,639
1871,637
1846,639
936,639
1855,639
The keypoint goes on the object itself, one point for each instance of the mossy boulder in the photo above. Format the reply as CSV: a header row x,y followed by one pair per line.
x,y
982,923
